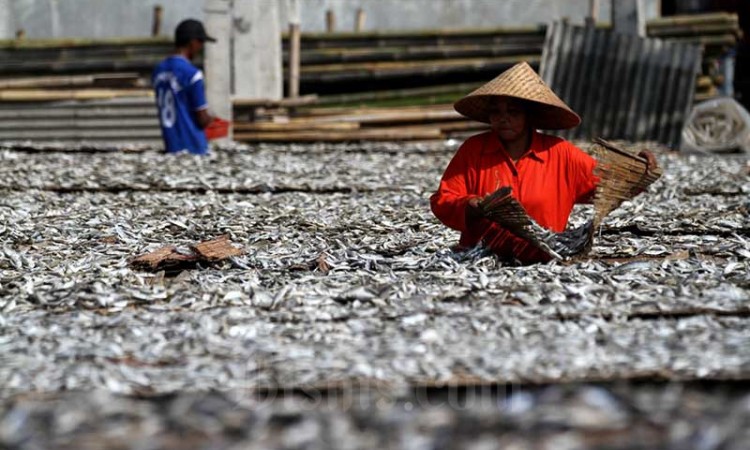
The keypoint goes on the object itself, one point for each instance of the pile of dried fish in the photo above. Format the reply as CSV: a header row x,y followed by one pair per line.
x,y
676,415
346,275
502,208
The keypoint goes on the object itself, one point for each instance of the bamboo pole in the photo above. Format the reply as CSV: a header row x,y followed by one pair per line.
x,y
713,18
456,89
156,21
294,59
330,21
692,29
280,103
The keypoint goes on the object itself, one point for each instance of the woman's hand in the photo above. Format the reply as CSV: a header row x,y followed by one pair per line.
x,y
650,159
473,211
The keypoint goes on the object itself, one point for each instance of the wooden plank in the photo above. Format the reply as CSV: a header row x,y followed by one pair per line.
x,y
424,33
239,102
718,40
383,117
692,30
68,81
68,123
72,43
379,134
292,126
384,66
458,89
349,111
45,95
82,134
15,111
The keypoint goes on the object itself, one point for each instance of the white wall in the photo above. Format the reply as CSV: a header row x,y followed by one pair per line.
x,y
115,18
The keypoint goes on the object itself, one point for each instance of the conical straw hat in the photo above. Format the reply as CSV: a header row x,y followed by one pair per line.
x,y
521,82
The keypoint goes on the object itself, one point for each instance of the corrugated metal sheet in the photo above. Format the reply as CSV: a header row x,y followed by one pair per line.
x,y
624,87
123,120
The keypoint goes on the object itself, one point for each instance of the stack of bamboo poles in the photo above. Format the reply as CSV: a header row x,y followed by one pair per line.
x,y
388,69
332,124
78,69
385,85
716,32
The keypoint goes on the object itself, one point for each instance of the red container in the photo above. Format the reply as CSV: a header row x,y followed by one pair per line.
x,y
217,129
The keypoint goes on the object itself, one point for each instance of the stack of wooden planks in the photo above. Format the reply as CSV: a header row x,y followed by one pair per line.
x,y
381,86
313,124
78,69
717,33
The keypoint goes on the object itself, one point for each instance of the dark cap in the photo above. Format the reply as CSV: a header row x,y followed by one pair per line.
x,y
191,29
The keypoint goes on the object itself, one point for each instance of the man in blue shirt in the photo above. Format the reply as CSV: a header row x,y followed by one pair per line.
x,y
180,92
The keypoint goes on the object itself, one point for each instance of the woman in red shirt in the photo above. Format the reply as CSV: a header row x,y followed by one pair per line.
x,y
548,175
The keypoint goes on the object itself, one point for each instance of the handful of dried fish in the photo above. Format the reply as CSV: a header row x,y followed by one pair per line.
x,y
622,176
502,208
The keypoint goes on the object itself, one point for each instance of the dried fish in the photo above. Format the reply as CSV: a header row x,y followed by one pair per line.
x,y
346,275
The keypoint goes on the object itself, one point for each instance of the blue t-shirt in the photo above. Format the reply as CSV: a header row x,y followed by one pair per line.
x,y
179,95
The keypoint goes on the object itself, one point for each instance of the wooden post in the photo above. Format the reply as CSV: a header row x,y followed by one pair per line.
x,y
330,21
294,59
156,21
359,24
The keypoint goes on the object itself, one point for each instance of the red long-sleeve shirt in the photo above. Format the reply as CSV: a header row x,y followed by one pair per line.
x,y
548,180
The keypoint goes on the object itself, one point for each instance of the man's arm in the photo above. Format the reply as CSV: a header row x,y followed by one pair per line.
x,y
197,100
203,118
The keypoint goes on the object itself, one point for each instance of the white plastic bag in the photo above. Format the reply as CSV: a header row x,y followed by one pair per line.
x,y
717,126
